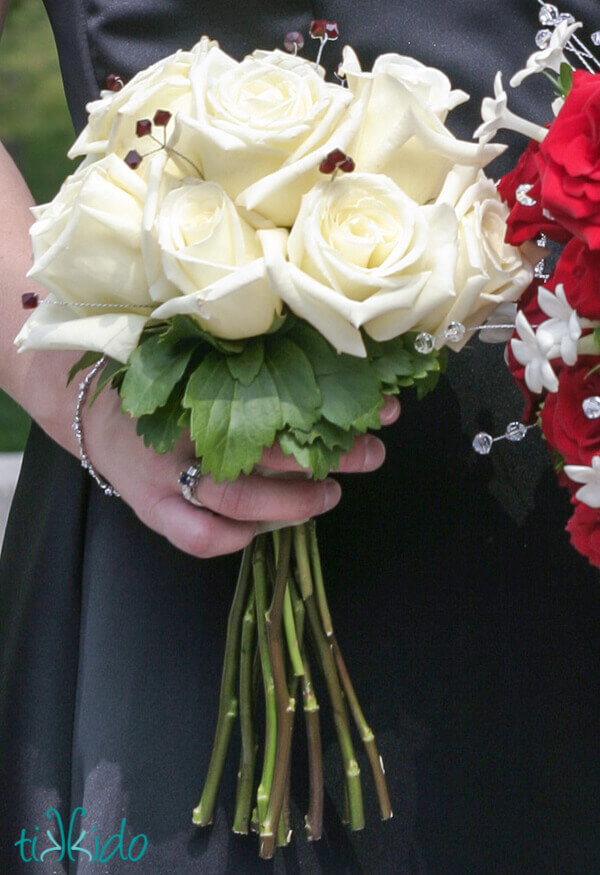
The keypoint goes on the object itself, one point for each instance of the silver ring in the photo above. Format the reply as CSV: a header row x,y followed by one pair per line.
x,y
188,480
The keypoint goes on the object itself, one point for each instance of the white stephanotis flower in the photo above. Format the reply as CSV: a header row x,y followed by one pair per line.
x,y
590,492
551,57
497,116
534,351
563,329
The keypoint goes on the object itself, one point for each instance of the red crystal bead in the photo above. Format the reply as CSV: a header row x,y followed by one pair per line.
x,y
162,117
143,127
133,159
114,82
337,156
29,300
320,28
327,165
337,160
294,41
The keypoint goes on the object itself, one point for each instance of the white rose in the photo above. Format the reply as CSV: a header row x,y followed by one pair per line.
x,y
213,260
402,133
261,127
113,118
430,87
362,253
489,271
87,248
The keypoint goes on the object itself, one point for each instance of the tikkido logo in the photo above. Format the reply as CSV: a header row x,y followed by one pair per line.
x,y
38,847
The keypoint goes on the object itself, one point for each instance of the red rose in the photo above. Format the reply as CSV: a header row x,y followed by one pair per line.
x,y
584,529
565,425
527,223
578,269
569,161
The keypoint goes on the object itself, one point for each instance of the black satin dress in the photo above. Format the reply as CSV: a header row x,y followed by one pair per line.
x,y
472,628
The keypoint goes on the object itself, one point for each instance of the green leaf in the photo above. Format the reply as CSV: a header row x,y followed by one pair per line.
x,y
154,369
186,328
427,384
231,423
350,389
109,372
316,456
330,435
86,361
294,381
246,365
163,428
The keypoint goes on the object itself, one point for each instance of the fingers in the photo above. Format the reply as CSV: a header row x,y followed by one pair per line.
x,y
390,411
199,532
254,497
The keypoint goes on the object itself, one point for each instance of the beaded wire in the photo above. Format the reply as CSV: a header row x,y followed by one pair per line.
x,y
86,462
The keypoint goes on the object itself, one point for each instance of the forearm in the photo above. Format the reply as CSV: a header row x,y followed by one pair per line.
x,y
36,380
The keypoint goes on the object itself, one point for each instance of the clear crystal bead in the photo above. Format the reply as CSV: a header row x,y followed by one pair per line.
x,y
566,16
522,195
455,332
595,37
548,14
542,38
482,443
424,342
591,407
515,431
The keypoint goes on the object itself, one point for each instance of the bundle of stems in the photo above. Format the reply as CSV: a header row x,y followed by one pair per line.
x,y
279,606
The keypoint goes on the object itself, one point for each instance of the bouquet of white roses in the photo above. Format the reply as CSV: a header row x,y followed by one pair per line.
x,y
256,254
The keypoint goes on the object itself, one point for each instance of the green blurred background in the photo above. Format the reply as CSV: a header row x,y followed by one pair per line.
x,y
36,129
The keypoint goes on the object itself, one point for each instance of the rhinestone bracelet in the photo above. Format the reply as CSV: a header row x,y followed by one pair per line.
x,y
86,463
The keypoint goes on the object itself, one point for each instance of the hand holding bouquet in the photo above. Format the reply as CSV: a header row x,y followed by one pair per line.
x,y
255,255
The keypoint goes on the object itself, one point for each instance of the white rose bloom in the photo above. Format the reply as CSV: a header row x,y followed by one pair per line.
x,y
362,253
489,271
112,118
401,132
261,127
87,248
214,262
428,85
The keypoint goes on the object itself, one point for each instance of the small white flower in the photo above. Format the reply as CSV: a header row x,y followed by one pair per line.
x,y
590,492
549,58
534,352
496,116
563,329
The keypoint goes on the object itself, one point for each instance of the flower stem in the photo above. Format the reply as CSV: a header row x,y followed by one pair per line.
x,y
303,573
351,768
243,801
291,636
366,733
260,597
314,818
285,703
228,706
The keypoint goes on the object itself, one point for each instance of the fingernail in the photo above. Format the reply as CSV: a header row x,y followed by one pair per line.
x,y
333,493
375,454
